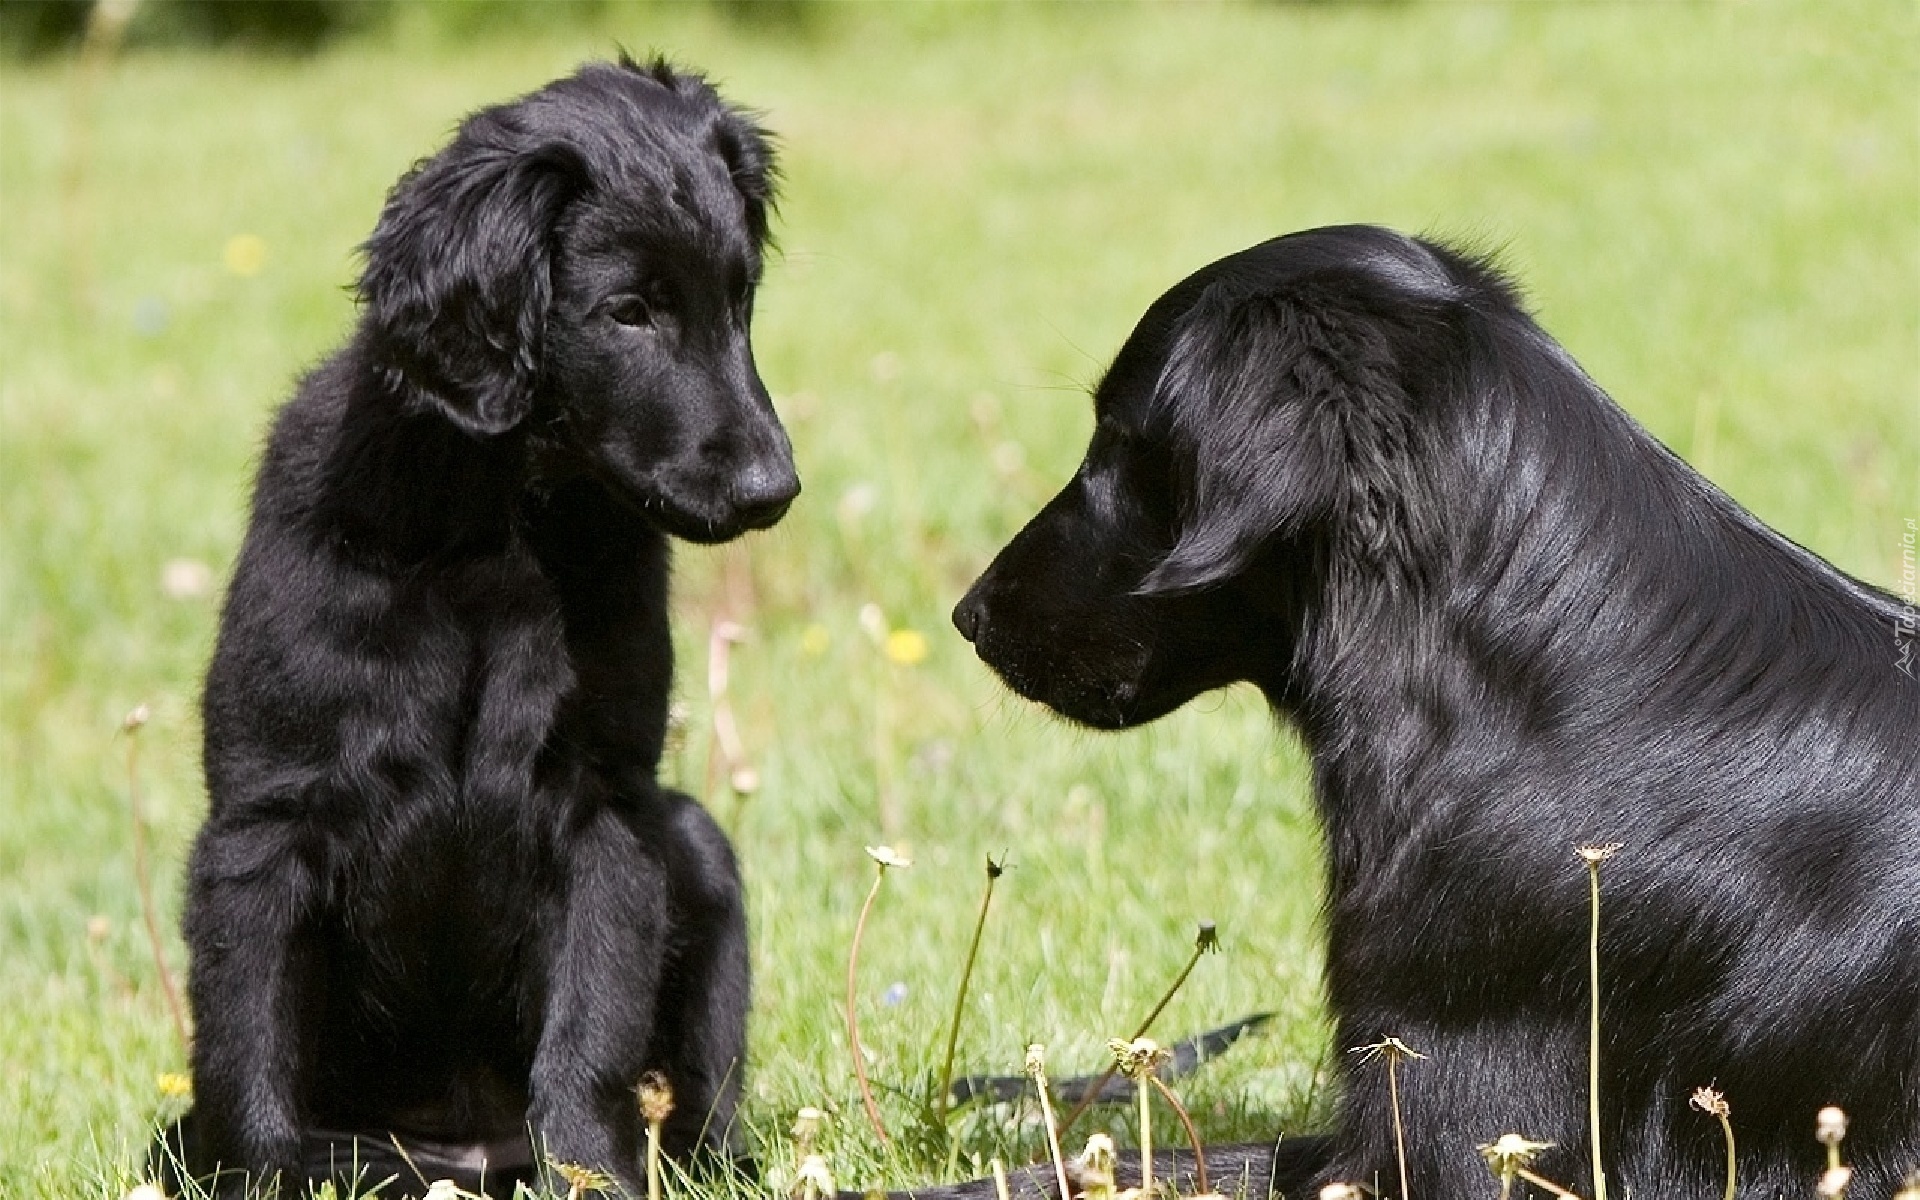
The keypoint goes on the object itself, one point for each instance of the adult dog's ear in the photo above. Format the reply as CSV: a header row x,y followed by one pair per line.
x,y
458,279
1283,414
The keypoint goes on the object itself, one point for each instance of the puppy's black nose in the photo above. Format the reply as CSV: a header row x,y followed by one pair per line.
x,y
968,616
763,492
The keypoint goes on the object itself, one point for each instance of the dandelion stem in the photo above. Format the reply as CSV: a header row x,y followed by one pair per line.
x,y
1733,1159
1593,856
853,1013
143,879
1548,1184
1207,940
653,1160
1037,1067
1193,1135
655,1094
1399,1127
1593,1032
1146,1137
994,871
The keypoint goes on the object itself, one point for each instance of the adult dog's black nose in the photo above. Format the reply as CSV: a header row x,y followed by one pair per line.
x,y
763,492
969,616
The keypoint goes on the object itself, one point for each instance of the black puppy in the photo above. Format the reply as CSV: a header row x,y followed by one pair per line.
x,y
439,895
1347,467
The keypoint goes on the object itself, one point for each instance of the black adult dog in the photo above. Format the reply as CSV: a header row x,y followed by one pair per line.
x,y
439,895
1347,467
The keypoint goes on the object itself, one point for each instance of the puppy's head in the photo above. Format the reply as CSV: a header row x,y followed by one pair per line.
x,y
581,265
1254,430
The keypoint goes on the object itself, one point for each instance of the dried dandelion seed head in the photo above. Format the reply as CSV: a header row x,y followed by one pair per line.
x,y
1207,941
1390,1048
996,869
807,1122
581,1179
816,1175
1139,1057
1834,1182
656,1097
1093,1170
1097,1157
1710,1101
1593,856
1510,1152
887,856
1342,1191
1036,1061
140,715
1830,1127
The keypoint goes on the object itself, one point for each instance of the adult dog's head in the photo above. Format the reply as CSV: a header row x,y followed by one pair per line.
x,y
579,267
1250,442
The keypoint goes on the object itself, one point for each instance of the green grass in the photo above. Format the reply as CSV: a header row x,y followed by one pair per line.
x,y
1714,207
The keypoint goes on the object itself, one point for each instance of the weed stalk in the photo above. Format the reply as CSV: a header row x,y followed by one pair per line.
x,y
1036,1067
1394,1051
1711,1102
1593,856
1139,1059
143,879
1206,941
1193,1135
656,1105
994,871
884,857
1831,1129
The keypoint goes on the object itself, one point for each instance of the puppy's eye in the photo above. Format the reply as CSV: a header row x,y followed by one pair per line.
x,y
630,310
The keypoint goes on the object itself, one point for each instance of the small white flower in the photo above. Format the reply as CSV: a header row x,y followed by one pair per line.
x,y
887,856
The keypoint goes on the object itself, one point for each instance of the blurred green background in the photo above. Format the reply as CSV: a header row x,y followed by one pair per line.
x,y
1716,207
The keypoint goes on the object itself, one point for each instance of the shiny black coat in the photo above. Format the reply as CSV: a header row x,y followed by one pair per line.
x,y
1346,466
439,893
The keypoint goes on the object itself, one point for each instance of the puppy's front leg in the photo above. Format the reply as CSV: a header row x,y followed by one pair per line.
x,y
606,940
254,893
700,1039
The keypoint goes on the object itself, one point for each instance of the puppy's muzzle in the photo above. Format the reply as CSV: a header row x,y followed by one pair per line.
x,y
763,491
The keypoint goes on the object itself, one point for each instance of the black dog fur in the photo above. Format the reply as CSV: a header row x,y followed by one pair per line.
x,y
1346,466
439,894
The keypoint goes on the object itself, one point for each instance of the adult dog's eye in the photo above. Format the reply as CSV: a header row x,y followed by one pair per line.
x,y
630,310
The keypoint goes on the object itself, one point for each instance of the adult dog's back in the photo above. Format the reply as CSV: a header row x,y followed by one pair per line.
x,y
1345,465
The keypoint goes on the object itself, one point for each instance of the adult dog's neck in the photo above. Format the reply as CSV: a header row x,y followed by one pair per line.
x,y
1581,590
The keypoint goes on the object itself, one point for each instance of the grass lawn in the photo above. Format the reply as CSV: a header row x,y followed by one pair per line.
x,y
1713,206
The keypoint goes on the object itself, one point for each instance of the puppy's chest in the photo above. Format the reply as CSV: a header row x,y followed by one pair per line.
x,y
480,695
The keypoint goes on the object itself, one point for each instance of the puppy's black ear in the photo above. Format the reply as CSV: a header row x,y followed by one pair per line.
x,y
457,280
1283,413
748,151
